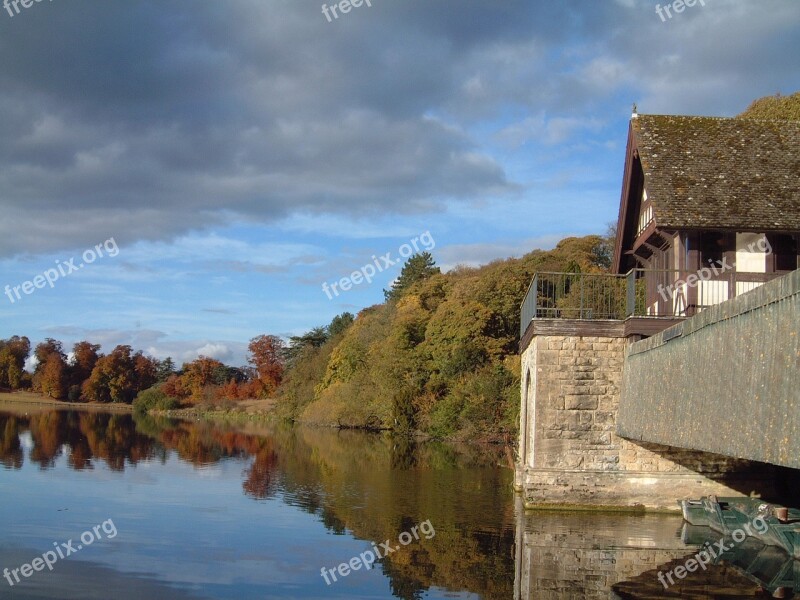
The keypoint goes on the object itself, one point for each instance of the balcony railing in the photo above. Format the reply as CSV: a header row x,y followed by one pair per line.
x,y
640,292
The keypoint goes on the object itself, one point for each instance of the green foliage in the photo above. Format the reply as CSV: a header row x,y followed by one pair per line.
x,y
340,324
417,268
299,343
306,371
486,396
164,369
439,357
154,399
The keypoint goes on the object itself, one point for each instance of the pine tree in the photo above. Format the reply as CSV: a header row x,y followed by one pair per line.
x,y
418,267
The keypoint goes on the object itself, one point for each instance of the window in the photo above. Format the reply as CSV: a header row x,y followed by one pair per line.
x,y
784,251
713,245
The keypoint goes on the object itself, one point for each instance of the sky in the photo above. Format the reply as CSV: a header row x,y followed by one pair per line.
x,y
182,176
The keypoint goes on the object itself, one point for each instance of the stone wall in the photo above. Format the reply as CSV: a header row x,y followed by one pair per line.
x,y
570,453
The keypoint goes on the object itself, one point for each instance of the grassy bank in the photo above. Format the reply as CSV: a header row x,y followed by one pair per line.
x,y
29,401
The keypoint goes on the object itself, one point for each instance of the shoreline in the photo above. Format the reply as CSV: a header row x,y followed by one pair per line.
x,y
249,412
33,401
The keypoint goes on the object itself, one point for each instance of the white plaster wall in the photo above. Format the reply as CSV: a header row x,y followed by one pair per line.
x,y
749,257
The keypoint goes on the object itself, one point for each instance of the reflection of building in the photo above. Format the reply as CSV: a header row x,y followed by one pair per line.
x,y
605,555
714,199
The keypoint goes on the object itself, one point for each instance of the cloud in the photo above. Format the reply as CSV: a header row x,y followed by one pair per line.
x,y
220,352
157,117
474,255
160,117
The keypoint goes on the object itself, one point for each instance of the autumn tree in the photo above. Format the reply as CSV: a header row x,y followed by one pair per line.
x,y
54,377
51,374
199,374
114,378
266,356
146,370
13,354
44,349
173,386
84,358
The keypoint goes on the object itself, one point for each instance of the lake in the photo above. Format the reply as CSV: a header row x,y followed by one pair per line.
x,y
112,505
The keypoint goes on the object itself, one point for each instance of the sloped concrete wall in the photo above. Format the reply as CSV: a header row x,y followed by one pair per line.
x,y
725,381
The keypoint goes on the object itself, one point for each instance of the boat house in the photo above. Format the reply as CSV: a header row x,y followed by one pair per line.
x,y
710,208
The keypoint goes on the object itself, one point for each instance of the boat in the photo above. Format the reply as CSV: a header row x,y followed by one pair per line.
x,y
772,524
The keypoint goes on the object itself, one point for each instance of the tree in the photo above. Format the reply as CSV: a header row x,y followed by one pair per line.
x,y
173,386
53,381
50,376
298,343
146,370
340,324
602,254
13,354
114,378
200,373
165,369
266,356
45,349
418,267
784,108
84,358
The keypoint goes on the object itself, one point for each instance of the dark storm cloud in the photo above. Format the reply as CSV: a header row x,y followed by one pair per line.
x,y
145,119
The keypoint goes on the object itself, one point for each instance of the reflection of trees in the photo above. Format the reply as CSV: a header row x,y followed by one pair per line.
x,y
203,444
11,453
114,438
109,437
48,431
371,486
377,487
260,482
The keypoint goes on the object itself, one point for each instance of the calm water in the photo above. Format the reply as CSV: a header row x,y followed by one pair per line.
x,y
189,510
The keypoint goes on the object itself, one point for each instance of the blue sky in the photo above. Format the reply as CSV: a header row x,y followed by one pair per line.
x,y
242,153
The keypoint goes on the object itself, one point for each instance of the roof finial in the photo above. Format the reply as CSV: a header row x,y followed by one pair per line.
x,y
635,113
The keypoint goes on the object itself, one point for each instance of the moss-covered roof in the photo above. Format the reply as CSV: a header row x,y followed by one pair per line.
x,y
707,172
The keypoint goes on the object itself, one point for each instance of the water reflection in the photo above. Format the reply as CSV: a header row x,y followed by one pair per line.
x,y
215,512
364,487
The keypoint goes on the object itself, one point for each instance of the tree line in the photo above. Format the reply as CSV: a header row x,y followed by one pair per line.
x,y
87,375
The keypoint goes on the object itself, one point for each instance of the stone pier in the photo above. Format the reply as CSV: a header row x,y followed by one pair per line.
x,y
570,455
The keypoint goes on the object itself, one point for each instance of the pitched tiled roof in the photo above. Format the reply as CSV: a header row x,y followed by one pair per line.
x,y
706,172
